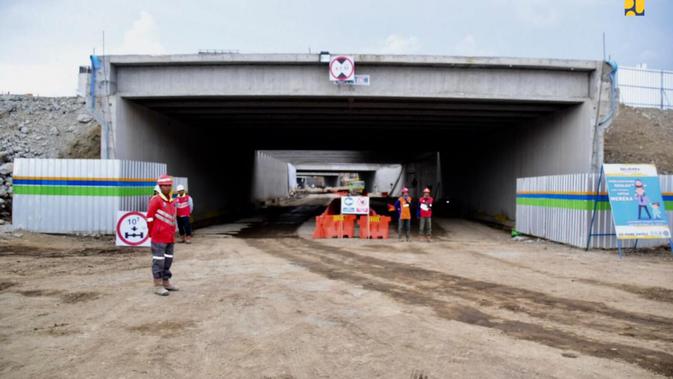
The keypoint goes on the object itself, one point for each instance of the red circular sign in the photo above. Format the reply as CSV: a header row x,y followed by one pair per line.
x,y
123,237
342,68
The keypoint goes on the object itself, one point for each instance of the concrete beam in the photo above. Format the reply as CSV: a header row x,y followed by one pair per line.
x,y
360,59
338,167
317,173
422,77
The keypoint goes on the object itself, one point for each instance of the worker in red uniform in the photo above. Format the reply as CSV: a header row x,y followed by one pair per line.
x,y
161,214
425,215
185,206
403,207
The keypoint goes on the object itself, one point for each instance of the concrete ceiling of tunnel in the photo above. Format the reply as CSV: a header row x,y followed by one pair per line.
x,y
350,111
291,123
327,157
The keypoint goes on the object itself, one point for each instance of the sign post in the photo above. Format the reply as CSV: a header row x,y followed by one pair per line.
x,y
131,229
638,210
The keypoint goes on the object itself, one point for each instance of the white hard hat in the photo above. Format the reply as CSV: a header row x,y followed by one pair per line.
x,y
181,187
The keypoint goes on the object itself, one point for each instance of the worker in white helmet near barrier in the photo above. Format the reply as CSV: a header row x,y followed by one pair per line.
x,y
185,207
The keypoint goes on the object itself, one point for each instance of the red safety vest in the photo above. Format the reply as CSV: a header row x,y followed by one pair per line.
x,y
425,207
161,219
182,204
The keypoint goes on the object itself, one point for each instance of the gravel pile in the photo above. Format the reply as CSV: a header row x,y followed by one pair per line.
x,y
42,127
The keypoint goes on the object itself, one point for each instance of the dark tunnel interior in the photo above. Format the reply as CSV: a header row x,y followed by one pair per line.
x,y
225,132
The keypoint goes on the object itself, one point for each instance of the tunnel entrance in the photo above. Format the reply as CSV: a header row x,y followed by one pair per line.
x,y
237,150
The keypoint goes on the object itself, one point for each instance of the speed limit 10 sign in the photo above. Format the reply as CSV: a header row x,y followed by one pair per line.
x,y
131,229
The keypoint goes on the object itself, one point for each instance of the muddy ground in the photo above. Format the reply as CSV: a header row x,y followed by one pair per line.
x,y
265,304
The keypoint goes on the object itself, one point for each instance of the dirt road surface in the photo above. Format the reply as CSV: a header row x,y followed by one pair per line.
x,y
272,303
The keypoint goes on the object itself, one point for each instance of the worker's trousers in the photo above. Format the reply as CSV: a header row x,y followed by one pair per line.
x,y
406,225
162,259
425,226
184,226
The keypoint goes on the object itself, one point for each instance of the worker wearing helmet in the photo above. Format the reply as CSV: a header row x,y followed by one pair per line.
x,y
425,215
403,207
161,214
185,206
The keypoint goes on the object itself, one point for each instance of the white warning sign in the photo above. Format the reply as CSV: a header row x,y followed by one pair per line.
x,y
358,205
341,68
132,229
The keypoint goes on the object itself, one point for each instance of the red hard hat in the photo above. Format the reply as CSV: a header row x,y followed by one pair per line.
x,y
165,180
426,190
405,189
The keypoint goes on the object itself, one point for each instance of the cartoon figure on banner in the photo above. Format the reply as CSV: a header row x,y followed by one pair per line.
x,y
656,211
642,200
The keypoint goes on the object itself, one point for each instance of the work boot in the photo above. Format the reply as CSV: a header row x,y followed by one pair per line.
x,y
159,288
169,286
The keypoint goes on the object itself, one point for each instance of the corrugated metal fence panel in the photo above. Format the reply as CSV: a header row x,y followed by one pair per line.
x,y
178,180
559,208
144,175
64,195
79,195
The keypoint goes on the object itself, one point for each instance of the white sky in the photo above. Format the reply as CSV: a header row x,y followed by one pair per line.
x,y
42,42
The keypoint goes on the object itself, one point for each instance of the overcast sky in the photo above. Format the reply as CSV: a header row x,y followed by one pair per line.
x,y
42,42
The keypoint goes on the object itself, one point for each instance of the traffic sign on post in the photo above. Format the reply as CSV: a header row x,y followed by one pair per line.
x,y
341,68
132,229
358,205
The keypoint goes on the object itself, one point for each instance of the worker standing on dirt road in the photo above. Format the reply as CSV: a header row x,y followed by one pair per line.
x,y
425,215
185,206
403,207
161,214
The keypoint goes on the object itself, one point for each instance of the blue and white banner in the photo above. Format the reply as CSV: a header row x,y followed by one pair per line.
x,y
638,210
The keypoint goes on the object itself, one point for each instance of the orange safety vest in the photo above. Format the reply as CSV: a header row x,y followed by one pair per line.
x,y
405,208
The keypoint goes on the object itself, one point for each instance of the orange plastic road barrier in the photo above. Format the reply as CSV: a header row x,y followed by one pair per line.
x,y
379,227
319,231
334,226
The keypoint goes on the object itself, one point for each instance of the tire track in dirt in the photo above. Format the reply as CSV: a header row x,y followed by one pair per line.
x,y
651,293
535,304
421,287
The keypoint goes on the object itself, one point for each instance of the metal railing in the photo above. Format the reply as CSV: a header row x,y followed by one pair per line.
x,y
645,88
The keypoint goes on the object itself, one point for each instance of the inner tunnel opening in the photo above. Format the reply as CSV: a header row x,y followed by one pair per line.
x,y
243,153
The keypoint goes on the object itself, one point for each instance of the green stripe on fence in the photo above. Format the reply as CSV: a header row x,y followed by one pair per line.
x,y
82,191
585,205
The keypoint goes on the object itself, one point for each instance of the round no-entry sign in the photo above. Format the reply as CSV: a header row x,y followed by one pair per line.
x,y
132,229
341,68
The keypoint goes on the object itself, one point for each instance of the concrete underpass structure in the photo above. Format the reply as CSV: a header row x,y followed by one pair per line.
x,y
238,124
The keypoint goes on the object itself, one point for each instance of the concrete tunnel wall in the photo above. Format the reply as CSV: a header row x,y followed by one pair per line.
x,y
485,188
387,179
271,178
219,187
